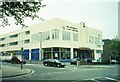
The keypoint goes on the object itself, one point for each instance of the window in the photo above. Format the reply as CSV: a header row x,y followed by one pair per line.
x,y
35,37
65,35
27,41
2,45
13,36
13,43
55,34
1,39
97,41
91,39
99,51
75,37
65,53
27,32
46,35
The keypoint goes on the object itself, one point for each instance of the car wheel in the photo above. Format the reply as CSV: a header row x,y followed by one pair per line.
x,y
46,64
58,65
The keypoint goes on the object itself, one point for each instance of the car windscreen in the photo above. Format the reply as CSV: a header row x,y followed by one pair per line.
x,y
74,59
56,60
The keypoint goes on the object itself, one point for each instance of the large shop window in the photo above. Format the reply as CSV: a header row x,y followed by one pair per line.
x,y
47,53
65,35
75,37
56,53
65,53
55,34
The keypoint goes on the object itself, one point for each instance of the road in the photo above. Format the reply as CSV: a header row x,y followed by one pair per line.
x,y
93,73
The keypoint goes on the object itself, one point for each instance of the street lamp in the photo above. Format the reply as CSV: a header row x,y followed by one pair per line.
x,y
40,38
22,57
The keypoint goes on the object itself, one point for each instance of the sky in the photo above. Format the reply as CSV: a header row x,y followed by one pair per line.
x,y
98,14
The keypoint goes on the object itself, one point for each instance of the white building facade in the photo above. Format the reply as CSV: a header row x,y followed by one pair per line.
x,y
54,39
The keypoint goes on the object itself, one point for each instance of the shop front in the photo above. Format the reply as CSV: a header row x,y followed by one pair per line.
x,y
56,53
64,54
35,54
86,54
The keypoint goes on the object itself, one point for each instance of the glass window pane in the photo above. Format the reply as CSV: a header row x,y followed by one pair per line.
x,y
35,37
97,40
65,35
91,39
75,37
55,34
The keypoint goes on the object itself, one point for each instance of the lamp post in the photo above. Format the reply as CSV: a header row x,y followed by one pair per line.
x,y
40,34
22,57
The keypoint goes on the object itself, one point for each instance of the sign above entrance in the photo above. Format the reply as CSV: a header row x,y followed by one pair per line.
x,y
84,48
71,28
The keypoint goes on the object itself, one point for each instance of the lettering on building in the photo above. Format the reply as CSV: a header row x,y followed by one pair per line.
x,y
71,28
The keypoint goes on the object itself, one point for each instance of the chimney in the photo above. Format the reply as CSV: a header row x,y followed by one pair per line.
x,y
83,24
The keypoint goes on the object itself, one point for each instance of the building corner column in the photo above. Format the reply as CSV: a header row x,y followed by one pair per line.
x,y
30,54
71,50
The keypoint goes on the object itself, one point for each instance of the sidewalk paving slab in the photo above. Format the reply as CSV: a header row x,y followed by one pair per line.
x,y
9,71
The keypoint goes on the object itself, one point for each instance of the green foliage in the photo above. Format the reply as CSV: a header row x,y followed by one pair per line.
x,y
19,10
115,45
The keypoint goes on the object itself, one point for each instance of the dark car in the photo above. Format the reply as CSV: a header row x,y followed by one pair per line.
x,y
16,60
75,61
53,62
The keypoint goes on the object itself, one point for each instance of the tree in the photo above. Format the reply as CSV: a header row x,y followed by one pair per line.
x,y
115,47
19,10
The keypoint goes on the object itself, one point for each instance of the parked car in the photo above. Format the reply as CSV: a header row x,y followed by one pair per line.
x,y
16,60
53,62
75,61
8,61
114,61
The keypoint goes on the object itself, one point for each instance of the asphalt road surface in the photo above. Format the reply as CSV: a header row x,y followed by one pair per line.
x,y
93,73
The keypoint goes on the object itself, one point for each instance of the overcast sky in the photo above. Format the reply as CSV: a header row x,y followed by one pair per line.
x,y
99,14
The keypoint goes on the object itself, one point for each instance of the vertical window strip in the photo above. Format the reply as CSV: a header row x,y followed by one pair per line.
x,y
55,34
65,35
75,37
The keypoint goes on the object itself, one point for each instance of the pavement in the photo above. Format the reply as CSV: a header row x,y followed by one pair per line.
x,y
9,71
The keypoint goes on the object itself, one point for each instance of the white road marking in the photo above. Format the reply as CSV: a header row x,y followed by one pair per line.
x,y
114,74
98,77
94,80
112,79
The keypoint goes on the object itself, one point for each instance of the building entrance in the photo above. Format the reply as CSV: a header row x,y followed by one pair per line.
x,y
83,54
